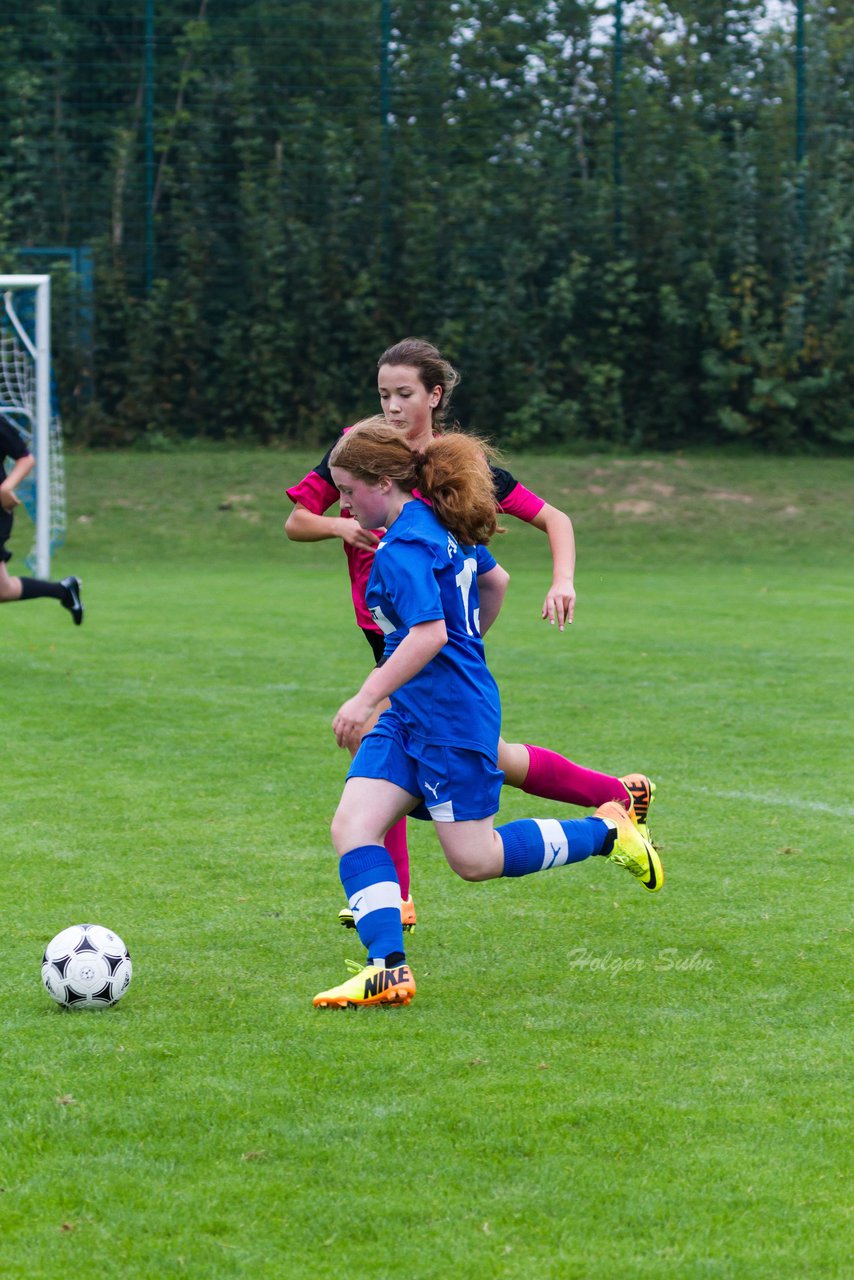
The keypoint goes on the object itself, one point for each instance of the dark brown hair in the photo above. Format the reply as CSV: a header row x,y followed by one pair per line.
x,y
452,473
433,370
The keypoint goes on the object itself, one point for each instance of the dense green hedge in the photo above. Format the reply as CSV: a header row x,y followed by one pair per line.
x,y
699,291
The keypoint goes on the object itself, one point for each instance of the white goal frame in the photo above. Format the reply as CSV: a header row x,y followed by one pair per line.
x,y
35,412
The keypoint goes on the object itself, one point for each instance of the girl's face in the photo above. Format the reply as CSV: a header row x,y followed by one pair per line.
x,y
405,400
368,504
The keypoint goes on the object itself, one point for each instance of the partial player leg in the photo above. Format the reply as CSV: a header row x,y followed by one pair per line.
x,y
367,808
540,772
395,841
397,848
10,588
67,592
476,851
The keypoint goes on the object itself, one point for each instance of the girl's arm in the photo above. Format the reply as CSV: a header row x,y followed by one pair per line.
x,y
559,604
491,588
415,650
303,525
8,498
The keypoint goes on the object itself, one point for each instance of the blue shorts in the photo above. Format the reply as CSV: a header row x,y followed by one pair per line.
x,y
455,784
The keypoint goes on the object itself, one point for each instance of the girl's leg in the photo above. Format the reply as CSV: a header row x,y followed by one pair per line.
x,y
479,851
476,851
544,773
367,809
397,847
395,838
541,772
10,588
66,592
368,806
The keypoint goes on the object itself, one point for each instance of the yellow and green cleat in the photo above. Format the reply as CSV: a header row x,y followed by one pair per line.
x,y
371,984
632,849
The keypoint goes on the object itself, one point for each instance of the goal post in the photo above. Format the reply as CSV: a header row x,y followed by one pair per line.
x,y
25,400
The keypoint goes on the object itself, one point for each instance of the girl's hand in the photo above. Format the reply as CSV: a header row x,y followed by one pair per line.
x,y
352,533
351,720
559,604
9,499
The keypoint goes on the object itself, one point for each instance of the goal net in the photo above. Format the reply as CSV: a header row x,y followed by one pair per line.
x,y
28,401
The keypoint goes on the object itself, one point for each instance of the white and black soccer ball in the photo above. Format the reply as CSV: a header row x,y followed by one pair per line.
x,y
86,967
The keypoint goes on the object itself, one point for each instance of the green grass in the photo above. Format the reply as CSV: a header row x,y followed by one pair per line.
x,y
592,1082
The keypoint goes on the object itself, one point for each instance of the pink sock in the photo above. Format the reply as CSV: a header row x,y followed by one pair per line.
x,y
555,778
395,843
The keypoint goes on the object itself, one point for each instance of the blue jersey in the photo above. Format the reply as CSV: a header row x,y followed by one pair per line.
x,y
420,574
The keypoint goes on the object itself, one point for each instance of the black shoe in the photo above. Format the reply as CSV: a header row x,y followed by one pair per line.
x,y
73,603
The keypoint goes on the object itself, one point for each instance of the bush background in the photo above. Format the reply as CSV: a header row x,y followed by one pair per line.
x,y
614,240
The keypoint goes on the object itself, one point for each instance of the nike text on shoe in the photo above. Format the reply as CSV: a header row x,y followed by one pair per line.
x,y
642,792
407,916
73,601
373,984
631,849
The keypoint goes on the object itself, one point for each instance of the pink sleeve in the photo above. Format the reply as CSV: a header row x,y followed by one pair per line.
x,y
314,493
521,503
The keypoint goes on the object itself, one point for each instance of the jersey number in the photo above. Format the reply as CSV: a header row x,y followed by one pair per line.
x,y
464,580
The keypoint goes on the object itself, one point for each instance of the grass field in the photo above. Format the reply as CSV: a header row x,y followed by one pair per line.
x,y
592,1082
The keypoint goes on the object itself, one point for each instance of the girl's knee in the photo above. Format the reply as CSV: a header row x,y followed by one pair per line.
x,y
349,830
472,849
473,872
340,831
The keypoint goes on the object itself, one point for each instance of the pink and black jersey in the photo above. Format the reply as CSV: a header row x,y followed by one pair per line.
x,y
317,493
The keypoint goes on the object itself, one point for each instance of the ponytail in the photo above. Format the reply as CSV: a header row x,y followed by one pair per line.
x,y
453,473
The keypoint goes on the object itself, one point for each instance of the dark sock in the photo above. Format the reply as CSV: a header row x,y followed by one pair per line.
x,y
35,589
608,847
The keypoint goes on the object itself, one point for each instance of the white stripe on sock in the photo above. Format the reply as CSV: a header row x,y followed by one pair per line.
x,y
374,897
555,843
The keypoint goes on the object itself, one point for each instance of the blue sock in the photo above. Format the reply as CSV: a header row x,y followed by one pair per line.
x,y
535,844
373,891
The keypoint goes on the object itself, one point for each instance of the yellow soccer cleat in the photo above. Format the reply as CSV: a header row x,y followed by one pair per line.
x,y
407,916
632,849
642,792
373,984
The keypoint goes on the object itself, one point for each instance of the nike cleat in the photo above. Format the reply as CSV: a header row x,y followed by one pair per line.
x,y
73,601
407,916
632,849
642,792
373,984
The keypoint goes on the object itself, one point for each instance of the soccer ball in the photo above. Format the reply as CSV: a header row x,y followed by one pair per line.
x,y
86,967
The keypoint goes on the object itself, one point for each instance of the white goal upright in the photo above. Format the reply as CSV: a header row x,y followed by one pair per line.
x,y
25,401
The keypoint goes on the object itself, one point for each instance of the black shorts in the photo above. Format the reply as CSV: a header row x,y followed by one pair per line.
x,y
376,640
5,533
